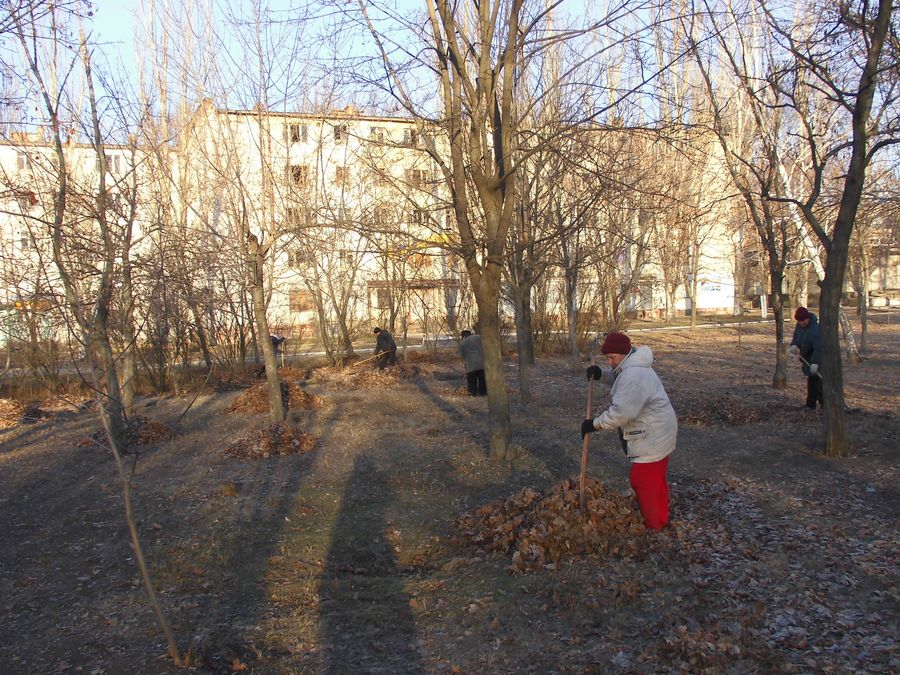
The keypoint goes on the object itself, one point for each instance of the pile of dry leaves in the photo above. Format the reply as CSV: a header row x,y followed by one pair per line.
x,y
144,431
140,430
367,377
274,440
11,412
544,527
721,410
256,399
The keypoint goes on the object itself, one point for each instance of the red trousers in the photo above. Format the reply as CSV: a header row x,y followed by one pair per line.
x,y
652,491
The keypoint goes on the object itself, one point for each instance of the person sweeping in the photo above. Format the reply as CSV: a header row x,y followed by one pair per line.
x,y
807,345
645,420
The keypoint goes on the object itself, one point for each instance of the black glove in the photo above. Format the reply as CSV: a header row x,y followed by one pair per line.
x,y
587,427
595,372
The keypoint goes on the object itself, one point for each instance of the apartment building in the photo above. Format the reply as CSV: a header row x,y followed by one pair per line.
x,y
351,209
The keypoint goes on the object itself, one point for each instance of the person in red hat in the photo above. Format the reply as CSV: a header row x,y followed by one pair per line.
x,y
645,420
807,344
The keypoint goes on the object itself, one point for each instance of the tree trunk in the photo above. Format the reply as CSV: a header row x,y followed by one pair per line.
x,y
525,364
498,401
128,358
849,337
276,404
106,381
836,442
571,278
197,314
779,380
524,341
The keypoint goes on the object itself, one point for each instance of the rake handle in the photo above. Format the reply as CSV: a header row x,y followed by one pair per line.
x,y
586,443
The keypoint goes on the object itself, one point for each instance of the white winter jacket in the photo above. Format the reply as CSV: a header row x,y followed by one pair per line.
x,y
640,408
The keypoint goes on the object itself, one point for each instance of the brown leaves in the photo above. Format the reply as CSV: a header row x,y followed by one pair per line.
x,y
367,376
11,412
275,440
256,399
545,528
719,410
144,431
140,430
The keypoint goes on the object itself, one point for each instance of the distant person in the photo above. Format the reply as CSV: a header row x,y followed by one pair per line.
x,y
645,420
471,351
807,344
277,341
386,347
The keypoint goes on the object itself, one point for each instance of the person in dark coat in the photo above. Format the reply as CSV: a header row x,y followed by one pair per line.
x,y
386,347
471,351
807,344
277,341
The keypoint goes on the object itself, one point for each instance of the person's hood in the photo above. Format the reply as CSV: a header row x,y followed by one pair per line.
x,y
640,357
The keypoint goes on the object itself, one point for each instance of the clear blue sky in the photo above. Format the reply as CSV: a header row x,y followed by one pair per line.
x,y
113,28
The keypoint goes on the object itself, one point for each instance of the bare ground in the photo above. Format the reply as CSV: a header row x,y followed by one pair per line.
x,y
343,556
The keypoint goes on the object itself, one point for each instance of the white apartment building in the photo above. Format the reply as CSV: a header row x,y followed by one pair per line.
x,y
351,207
346,200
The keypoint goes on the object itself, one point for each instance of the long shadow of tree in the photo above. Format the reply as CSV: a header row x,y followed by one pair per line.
x,y
366,622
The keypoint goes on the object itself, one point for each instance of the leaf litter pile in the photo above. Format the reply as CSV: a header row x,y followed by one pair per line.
x,y
11,412
139,430
543,528
256,399
722,410
367,377
273,441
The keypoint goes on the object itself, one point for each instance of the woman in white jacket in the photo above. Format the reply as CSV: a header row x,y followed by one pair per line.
x,y
645,420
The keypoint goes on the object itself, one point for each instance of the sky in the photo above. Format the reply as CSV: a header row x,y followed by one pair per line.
x,y
113,27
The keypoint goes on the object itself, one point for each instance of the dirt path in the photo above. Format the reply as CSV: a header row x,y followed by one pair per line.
x,y
343,560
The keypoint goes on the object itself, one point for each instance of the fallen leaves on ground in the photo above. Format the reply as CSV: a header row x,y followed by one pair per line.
x,y
543,528
721,410
274,440
367,377
139,430
11,412
256,399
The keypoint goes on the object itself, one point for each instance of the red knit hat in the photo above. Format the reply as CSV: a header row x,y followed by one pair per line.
x,y
616,343
802,314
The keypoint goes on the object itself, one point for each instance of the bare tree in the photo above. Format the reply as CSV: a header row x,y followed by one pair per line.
x,y
860,93
84,249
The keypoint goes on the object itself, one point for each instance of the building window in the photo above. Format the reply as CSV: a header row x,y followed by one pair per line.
x,y
383,298
26,200
297,133
420,261
301,300
342,175
299,175
23,161
341,216
417,177
24,241
298,217
376,134
340,133
347,257
112,162
417,217
381,215
298,259
410,137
